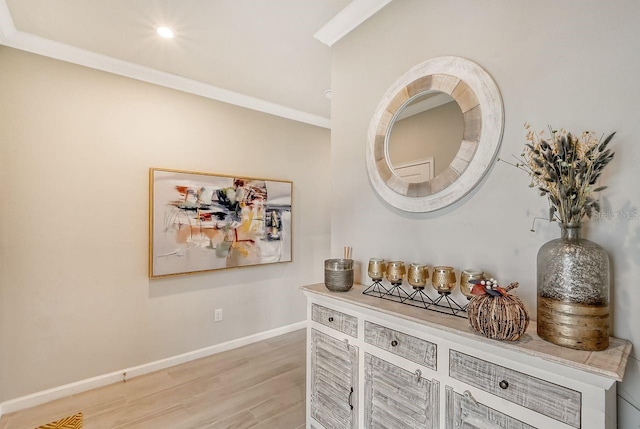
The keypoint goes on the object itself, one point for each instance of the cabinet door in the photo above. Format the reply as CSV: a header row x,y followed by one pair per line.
x,y
398,399
334,379
464,412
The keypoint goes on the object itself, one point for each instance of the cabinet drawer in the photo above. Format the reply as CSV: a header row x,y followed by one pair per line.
x,y
335,319
557,402
407,346
463,411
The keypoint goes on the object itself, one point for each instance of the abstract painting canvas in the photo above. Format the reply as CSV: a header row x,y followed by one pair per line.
x,y
201,222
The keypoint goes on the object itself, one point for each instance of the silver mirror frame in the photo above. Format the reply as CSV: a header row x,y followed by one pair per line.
x,y
479,99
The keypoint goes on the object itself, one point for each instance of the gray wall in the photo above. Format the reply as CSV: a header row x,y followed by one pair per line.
x,y
75,148
571,64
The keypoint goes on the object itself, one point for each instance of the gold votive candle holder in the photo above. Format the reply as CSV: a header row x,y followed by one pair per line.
x,y
417,275
443,279
376,269
466,277
395,272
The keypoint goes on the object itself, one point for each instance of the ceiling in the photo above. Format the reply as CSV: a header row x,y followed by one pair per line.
x,y
262,54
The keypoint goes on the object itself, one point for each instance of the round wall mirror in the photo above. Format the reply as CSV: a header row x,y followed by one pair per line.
x,y
435,134
427,128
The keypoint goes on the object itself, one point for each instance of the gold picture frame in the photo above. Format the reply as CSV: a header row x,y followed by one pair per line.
x,y
201,222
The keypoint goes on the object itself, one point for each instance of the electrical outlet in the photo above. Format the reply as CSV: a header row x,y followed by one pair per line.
x,y
217,315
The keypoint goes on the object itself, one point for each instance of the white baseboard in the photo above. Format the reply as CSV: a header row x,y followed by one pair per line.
x,y
49,395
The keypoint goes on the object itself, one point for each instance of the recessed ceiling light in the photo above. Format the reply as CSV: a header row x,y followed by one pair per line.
x,y
165,32
327,93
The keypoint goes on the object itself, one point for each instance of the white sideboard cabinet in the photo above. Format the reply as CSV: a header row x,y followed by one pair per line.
x,y
373,363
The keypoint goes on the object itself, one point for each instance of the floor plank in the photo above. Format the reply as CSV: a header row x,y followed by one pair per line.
x,y
261,385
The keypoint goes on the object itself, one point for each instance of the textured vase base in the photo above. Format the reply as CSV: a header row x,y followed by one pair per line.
x,y
576,326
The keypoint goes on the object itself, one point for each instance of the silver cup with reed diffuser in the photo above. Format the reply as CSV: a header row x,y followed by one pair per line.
x,y
338,273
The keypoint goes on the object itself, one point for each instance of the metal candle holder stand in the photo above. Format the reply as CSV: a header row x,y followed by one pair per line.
x,y
443,304
376,289
396,292
418,298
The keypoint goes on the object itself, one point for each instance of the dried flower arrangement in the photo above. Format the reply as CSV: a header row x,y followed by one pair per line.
x,y
565,168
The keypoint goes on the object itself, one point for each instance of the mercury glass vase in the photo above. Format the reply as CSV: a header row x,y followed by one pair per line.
x,y
573,292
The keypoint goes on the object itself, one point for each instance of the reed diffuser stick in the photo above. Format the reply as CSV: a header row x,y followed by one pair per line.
x,y
347,252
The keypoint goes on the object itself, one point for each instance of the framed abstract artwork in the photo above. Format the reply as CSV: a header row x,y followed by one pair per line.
x,y
202,222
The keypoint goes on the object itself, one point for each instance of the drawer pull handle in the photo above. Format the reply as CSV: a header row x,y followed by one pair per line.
x,y
469,397
503,384
418,375
394,343
330,319
350,395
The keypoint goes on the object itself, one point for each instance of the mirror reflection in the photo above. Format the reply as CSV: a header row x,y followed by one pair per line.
x,y
425,136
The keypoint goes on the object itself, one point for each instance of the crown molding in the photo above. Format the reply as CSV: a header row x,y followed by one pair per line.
x,y
13,38
7,29
354,14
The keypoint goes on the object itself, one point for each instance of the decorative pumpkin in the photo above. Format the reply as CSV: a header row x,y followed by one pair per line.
x,y
496,314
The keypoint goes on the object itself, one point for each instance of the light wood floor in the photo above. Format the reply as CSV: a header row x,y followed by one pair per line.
x,y
259,386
